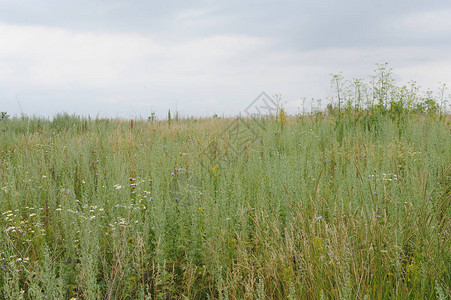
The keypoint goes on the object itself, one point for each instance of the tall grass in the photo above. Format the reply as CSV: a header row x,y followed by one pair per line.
x,y
349,204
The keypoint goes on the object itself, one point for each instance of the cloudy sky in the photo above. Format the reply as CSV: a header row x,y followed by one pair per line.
x,y
131,58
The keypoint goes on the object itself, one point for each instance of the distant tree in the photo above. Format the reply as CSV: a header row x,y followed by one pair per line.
x,y
4,116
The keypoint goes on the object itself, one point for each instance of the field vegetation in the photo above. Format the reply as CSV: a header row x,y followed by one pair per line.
x,y
347,202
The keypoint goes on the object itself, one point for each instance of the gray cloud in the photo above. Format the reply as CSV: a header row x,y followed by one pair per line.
x,y
320,23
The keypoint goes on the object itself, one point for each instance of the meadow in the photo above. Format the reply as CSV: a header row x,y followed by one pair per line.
x,y
348,202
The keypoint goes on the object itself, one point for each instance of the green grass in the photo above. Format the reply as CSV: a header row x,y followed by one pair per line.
x,y
319,207
348,203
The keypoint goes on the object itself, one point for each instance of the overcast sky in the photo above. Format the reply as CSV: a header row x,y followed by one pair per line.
x,y
130,58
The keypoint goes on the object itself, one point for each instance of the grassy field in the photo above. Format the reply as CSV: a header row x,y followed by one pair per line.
x,y
345,205
316,208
